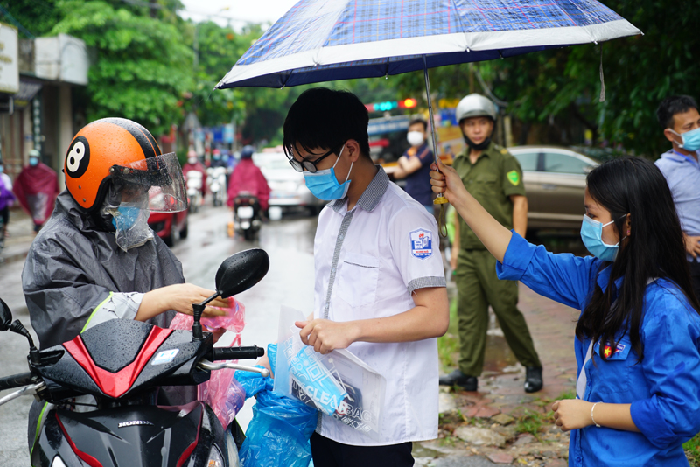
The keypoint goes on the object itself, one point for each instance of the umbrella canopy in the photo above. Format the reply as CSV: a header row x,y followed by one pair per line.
x,y
325,40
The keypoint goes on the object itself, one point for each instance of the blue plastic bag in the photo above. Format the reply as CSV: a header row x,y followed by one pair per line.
x,y
279,433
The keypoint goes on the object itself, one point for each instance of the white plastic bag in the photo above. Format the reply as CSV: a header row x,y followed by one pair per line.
x,y
338,383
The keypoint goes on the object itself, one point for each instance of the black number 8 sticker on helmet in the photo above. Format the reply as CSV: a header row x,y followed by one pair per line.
x,y
78,157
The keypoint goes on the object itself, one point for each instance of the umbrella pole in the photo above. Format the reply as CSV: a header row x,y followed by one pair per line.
x,y
440,200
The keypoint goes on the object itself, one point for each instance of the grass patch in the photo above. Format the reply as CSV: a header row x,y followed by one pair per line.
x,y
570,394
447,347
531,422
692,450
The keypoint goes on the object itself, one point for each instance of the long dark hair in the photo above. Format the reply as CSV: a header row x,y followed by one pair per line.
x,y
654,249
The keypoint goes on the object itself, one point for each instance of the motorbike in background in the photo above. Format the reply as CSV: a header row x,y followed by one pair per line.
x,y
247,214
216,178
194,179
122,363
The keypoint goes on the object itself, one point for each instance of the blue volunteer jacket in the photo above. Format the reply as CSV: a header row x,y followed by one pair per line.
x,y
664,389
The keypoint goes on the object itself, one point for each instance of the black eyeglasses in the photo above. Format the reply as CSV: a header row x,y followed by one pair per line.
x,y
306,164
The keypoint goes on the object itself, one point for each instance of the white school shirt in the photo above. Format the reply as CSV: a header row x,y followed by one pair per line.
x,y
368,261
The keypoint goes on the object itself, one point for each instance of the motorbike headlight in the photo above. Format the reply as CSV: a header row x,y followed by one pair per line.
x,y
58,462
215,459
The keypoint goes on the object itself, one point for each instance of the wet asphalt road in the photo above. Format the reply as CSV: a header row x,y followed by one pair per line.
x,y
289,243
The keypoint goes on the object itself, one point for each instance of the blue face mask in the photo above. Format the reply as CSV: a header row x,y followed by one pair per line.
x,y
1,169
128,215
33,161
592,236
691,140
324,184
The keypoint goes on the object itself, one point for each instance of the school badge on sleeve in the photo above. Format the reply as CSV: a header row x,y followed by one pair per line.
x,y
421,243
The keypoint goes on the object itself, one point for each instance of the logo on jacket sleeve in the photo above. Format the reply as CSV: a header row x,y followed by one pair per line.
x,y
513,177
421,243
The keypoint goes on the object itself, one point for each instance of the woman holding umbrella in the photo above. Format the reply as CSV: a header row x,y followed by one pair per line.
x,y
638,336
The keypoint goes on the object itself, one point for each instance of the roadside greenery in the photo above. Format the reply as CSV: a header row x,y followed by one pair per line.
x,y
138,70
151,65
692,450
559,89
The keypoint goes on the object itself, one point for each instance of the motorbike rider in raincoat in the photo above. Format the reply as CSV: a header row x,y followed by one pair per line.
x,y
96,258
193,164
248,177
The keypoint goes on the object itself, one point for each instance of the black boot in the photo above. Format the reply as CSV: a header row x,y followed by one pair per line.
x,y
533,379
460,380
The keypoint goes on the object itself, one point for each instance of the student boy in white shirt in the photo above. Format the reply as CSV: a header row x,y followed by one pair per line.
x,y
379,279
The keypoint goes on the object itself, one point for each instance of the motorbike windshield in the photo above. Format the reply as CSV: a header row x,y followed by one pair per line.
x,y
161,176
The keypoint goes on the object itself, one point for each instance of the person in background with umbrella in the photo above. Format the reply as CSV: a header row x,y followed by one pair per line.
x,y
495,178
638,335
379,280
414,165
36,188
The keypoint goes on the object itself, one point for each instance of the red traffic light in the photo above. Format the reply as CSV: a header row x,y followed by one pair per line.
x,y
407,104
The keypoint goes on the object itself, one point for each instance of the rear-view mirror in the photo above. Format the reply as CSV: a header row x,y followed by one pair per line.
x,y
241,271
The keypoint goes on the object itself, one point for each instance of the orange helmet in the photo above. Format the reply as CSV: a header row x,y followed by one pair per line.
x,y
96,149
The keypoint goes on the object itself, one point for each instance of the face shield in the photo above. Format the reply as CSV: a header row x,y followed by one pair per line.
x,y
150,185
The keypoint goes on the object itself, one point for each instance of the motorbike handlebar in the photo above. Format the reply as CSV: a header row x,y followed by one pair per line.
x,y
238,353
15,381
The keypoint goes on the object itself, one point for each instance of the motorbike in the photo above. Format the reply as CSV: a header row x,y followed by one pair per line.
x,y
216,178
247,214
194,180
122,363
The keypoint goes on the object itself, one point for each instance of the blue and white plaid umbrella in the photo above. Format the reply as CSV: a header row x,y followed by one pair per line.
x,y
325,40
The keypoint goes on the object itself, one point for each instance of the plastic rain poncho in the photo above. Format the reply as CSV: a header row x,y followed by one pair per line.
x,y
75,276
75,272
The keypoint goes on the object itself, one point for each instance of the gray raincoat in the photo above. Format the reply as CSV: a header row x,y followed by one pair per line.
x,y
75,276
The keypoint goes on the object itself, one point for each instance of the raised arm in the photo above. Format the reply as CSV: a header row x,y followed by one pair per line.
x,y
492,234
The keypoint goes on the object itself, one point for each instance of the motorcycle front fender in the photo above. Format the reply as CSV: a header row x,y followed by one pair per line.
x,y
133,436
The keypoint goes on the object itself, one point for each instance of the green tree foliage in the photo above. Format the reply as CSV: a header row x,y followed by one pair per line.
x,y
643,70
138,70
639,72
215,49
38,17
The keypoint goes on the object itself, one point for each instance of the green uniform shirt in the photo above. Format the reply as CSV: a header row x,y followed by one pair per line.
x,y
495,176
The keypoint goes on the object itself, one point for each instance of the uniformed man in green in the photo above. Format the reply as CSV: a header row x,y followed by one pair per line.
x,y
493,176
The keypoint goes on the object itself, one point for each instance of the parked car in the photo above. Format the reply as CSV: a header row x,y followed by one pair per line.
x,y
554,179
287,188
169,226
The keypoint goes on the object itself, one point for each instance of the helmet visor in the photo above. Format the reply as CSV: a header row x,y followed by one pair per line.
x,y
160,176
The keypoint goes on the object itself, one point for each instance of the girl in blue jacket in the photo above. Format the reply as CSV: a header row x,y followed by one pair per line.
x,y
638,336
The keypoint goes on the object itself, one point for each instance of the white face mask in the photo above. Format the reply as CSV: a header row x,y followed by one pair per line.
x,y
192,160
415,138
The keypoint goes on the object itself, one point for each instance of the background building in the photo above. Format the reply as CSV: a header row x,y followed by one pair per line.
x,y
39,106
